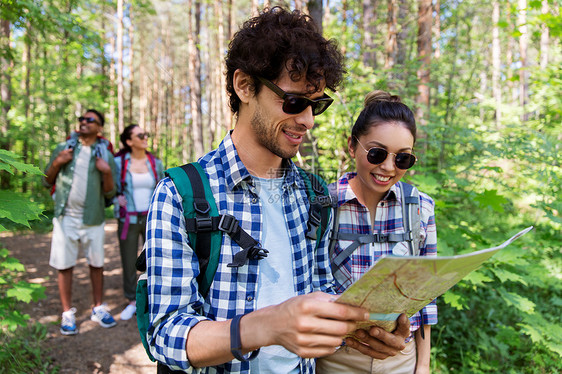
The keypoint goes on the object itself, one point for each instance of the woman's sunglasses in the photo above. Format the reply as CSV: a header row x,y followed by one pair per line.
x,y
377,156
295,104
143,136
88,119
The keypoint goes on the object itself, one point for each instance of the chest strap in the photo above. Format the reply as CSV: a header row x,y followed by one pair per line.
x,y
361,239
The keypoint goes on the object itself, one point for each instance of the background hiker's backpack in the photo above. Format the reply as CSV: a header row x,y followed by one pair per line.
x,y
103,149
412,227
205,228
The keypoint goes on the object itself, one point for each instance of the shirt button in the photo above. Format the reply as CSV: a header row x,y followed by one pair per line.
x,y
254,200
249,298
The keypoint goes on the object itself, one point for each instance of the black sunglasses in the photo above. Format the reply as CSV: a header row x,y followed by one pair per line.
x,y
295,104
143,136
377,156
88,119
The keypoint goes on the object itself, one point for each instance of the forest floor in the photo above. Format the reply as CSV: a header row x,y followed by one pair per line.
x,y
117,350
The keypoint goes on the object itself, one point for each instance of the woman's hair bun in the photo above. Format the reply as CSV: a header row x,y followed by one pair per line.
x,y
379,96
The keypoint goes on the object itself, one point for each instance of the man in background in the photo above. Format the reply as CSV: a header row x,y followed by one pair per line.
x,y
83,171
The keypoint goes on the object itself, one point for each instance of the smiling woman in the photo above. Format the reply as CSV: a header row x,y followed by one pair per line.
x,y
370,205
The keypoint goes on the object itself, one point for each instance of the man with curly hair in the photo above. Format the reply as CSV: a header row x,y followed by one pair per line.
x,y
273,311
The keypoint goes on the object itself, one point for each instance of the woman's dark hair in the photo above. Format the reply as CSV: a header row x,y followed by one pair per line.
x,y
97,113
278,39
126,135
381,107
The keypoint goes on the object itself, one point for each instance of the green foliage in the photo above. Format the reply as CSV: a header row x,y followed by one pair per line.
x,y
21,352
14,206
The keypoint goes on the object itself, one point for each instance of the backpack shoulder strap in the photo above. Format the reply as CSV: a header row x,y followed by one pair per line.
x,y
411,216
124,163
410,210
320,205
152,161
198,208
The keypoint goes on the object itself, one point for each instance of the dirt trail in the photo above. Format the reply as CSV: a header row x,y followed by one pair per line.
x,y
116,350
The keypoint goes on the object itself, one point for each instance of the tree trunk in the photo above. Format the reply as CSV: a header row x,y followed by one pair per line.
x,y
496,62
509,60
315,10
5,94
131,66
369,31
110,117
545,37
424,55
120,90
402,36
194,77
25,87
225,117
437,28
391,43
231,19
523,43
255,9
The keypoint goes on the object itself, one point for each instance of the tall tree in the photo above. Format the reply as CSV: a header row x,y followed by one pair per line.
x,y
391,42
424,56
131,32
545,37
496,63
368,26
316,11
523,43
120,89
194,76
5,93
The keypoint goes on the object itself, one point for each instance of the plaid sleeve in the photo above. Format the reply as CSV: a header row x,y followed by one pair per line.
x,y
172,268
323,279
428,247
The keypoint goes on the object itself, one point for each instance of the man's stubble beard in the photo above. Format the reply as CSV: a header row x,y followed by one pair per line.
x,y
265,135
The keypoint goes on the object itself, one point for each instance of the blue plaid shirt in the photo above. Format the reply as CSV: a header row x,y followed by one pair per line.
x,y
354,217
174,301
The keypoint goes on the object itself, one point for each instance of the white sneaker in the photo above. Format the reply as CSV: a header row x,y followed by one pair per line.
x,y
68,322
101,315
128,312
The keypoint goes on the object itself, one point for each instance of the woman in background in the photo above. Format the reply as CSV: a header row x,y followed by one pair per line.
x,y
369,202
139,172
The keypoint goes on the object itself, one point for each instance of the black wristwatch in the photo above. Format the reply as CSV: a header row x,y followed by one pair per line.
x,y
236,343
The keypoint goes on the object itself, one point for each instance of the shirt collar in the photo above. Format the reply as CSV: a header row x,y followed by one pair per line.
x,y
346,194
235,172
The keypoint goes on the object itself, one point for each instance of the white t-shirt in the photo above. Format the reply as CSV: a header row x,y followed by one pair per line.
x,y
143,186
275,281
77,195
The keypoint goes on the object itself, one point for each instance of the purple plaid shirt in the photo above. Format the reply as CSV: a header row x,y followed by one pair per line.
x,y
354,217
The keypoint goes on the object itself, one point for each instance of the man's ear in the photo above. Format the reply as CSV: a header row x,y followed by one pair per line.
x,y
243,86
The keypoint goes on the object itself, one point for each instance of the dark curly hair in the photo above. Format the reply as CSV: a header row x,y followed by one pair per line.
x,y
278,39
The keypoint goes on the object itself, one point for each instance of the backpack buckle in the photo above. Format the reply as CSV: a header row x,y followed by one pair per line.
x,y
227,223
257,252
203,224
380,238
201,206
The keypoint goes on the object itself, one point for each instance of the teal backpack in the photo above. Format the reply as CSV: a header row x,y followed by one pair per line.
x,y
205,228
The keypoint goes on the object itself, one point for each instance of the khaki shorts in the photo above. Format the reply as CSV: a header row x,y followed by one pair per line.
x,y
350,361
69,234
